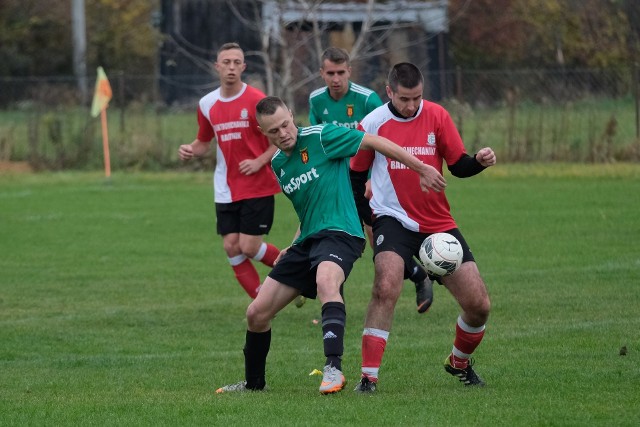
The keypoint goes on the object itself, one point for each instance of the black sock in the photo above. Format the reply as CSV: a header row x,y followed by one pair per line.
x,y
255,350
334,318
414,272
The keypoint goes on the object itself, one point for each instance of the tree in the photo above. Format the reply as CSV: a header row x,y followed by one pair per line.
x,y
539,33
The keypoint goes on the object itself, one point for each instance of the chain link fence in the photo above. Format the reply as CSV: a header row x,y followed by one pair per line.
x,y
525,115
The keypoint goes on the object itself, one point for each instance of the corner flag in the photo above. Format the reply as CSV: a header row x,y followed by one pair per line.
x,y
101,98
102,94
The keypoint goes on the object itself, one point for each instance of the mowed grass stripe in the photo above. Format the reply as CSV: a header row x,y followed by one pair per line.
x,y
118,307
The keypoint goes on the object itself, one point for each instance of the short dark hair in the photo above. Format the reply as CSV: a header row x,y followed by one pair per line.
x,y
268,106
229,46
404,74
337,55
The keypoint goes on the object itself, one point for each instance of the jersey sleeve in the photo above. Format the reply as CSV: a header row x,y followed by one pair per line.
x,y
373,102
362,161
339,141
205,130
452,147
312,115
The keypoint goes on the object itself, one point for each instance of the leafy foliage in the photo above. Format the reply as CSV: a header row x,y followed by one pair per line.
x,y
541,33
36,36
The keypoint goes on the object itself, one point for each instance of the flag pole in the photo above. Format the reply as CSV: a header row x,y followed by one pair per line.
x,y
101,97
105,143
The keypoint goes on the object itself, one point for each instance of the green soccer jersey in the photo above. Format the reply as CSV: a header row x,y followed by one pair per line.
x,y
315,177
348,111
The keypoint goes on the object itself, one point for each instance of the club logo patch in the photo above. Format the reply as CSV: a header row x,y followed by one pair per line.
x,y
379,240
244,114
304,155
350,110
431,138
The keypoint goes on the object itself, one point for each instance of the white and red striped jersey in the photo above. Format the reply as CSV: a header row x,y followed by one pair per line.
x,y
432,137
233,123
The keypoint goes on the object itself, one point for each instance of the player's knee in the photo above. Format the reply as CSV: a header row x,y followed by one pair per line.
x,y
386,291
231,248
479,310
251,248
256,318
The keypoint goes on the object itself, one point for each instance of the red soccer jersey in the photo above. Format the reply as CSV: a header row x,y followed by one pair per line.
x,y
233,123
432,137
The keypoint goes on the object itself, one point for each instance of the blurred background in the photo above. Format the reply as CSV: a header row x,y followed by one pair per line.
x,y
538,80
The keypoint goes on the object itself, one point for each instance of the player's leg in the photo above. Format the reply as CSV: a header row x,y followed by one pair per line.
x,y
469,290
389,264
368,231
273,296
334,253
256,219
287,279
228,226
423,285
329,278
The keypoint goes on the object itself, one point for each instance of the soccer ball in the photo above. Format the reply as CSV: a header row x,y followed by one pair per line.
x,y
441,254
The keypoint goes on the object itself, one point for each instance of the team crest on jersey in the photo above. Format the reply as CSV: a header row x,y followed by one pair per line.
x,y
350,110
281,173
431,138
244,114
304,155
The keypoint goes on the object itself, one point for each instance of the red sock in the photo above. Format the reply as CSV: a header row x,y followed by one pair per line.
x,y
465,342
270,255
247,276
372,351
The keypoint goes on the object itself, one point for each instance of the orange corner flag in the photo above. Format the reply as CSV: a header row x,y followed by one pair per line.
x,y
102,94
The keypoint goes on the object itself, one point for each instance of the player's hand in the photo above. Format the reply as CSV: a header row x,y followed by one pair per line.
x,y
250,166
185,152
431,179
281,254
486,157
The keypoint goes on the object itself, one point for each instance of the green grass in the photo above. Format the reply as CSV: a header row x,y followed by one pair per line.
x,y
117,307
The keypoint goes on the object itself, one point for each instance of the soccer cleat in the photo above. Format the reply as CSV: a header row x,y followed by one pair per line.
x,y
365,386
424,295
466,375
332,380
241,386
299,301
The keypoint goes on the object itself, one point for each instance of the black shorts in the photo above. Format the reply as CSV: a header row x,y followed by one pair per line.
x,y
298,267
250,216
390,235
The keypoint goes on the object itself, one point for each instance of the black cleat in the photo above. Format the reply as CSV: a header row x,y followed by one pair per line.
x,y
424,295
466,375
365,386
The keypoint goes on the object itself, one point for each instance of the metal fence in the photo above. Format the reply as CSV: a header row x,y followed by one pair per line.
x,y
526,115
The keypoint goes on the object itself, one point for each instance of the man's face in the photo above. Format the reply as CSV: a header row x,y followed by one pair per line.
x,y
230,65
280,129
406,101
336,77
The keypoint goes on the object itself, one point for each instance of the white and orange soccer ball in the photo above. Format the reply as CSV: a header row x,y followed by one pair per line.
x,y
441,254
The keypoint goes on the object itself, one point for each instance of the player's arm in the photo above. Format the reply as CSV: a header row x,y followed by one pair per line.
x,y
196,149
358,185
251,166
313,120
430,178
467,165
359,170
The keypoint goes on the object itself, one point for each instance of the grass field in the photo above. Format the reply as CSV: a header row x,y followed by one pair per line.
x,y
117,307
